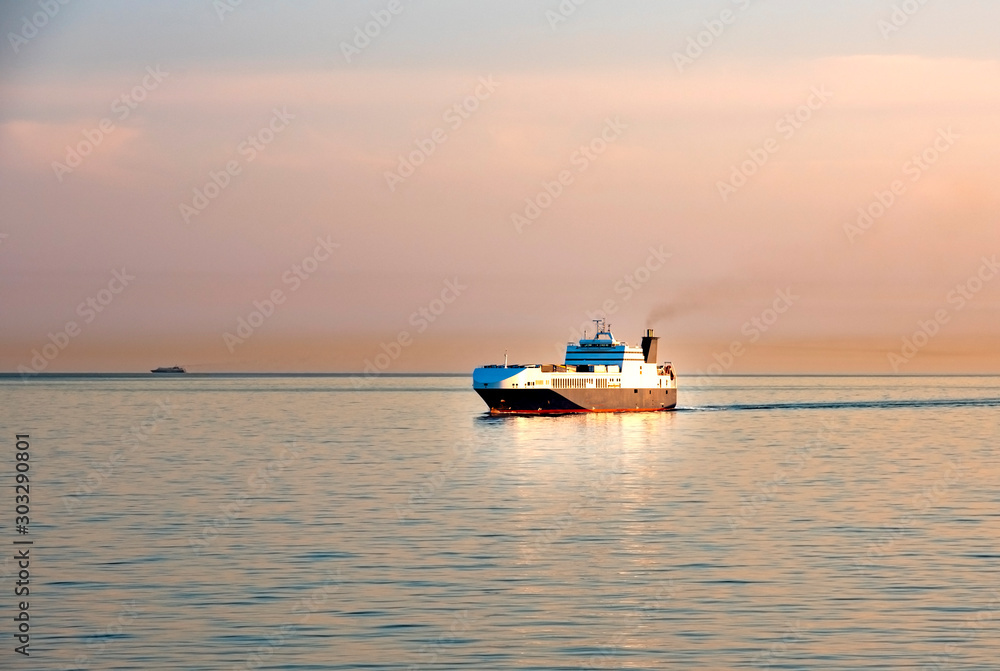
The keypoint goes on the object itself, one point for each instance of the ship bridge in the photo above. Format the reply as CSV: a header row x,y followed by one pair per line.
x,y
602,350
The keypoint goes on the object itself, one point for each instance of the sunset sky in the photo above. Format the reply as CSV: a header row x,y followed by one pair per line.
x,y
472,176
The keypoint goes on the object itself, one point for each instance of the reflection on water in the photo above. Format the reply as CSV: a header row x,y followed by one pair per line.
x,y
298,523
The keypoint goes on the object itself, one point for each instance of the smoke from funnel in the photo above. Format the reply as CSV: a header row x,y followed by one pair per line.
x,y
720,296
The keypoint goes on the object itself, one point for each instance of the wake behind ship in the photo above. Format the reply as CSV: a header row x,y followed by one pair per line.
x,y
601,374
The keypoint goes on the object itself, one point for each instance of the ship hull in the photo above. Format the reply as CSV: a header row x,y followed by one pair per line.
x,y
562,401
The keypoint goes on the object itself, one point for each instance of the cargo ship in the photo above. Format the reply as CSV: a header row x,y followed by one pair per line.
x,y
172,370
600,374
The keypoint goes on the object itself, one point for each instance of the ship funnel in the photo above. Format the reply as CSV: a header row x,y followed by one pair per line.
x,y
649,346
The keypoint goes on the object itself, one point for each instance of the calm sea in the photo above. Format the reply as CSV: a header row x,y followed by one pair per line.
x,y
212,522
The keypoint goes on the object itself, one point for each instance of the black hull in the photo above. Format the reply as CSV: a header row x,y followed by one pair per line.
x,y
551,401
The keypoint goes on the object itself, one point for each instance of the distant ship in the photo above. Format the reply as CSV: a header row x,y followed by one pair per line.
x,y
171,369
601,374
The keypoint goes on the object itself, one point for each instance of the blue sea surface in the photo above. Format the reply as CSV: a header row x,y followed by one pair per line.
x,y
300,522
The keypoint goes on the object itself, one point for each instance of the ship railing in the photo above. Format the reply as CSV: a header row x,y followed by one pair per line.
x,y
512,365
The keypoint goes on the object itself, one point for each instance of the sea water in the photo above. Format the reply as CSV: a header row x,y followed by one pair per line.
x,y
302,522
